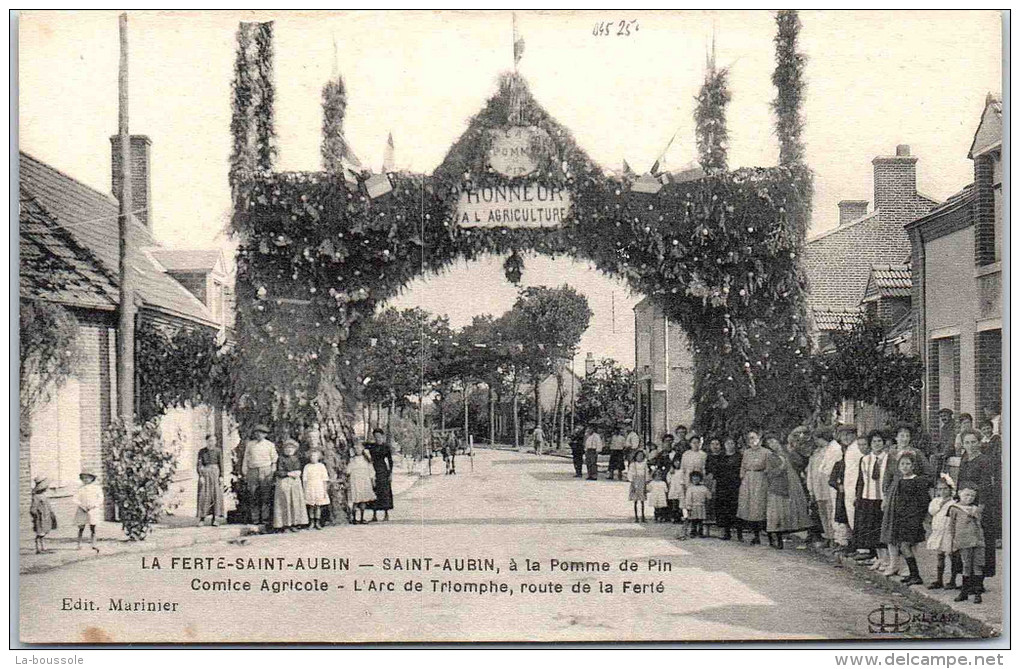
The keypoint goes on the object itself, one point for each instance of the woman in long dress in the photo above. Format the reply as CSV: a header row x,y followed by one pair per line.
x,y
786,505
715,453
361,486
209,464
289,498
726,473
382,461
752,502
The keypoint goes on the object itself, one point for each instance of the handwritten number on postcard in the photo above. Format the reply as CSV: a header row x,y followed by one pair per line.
x,y
617,28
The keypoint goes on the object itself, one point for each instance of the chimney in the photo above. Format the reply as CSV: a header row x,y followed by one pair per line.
x,y
851,210
141,180
895,179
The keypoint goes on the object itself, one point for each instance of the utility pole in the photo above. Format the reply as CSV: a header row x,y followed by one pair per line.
x,y
126,311
465,383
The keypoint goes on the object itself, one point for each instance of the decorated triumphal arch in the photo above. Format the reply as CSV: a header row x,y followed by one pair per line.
x,y
319,251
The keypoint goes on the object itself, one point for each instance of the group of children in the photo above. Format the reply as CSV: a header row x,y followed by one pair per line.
x,y
88,511
675,495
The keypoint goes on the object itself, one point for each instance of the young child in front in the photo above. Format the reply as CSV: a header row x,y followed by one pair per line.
x,y
315,478
637,472
941,540
675,487
361,483
696,504
657,497
968,542
89,500
43,518
910,506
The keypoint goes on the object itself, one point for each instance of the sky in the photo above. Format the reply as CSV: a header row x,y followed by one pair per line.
x,y
874,80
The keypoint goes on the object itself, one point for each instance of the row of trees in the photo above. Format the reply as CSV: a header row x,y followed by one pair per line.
x,y
411,355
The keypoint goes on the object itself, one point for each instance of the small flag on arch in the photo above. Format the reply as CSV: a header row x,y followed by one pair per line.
x,y
389,159
518,43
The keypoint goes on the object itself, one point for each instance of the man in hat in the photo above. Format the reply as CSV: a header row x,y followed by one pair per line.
x,y
592,448
577,451
617,443
258,465
633,443
538,439
946,439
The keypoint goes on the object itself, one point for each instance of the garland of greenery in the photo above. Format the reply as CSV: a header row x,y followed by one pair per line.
x,y
788,79
710,121
242,164
719,255
334,107
265,130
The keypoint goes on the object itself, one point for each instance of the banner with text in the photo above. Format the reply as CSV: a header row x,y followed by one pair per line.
x,y
526,205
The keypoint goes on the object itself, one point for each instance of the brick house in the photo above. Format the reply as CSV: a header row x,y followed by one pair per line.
x,y
957,284
69,245
860,263
663,372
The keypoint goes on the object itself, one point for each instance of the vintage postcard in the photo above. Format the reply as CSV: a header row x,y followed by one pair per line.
x,y
471,326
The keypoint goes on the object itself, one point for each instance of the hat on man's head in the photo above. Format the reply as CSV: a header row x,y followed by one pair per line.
x,y
261,427
41,484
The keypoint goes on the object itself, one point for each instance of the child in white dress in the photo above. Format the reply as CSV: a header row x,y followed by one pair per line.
x,y
314,477
657,497
89,500
361,475
676,488
696,499
637,472
940,540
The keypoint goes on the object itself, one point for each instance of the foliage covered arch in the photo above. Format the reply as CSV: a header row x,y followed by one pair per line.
x,y
719,254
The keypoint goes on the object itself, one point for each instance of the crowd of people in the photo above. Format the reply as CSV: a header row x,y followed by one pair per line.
x,y
287,490
877,498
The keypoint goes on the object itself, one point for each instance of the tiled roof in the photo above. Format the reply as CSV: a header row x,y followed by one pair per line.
x,y
91,219
835,320
53,266
187,260
888,281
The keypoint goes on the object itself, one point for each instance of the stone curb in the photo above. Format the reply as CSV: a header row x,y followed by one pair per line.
x,y
972,625
183,538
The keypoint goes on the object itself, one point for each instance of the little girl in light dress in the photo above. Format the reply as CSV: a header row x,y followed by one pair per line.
x,y
314,477
941,540
657,497
637,472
